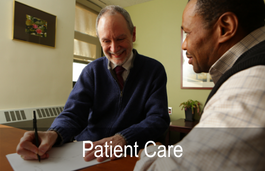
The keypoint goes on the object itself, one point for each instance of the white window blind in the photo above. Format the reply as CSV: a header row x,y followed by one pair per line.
x,y
84,49
85,21
86,44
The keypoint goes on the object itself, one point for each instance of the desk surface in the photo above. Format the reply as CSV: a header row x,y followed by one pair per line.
x,y
9,138
180,126
181,123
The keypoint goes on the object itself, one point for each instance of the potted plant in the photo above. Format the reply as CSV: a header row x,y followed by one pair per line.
x,y
190,106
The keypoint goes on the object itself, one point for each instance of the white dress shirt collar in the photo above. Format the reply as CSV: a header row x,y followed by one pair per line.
x,y
126,65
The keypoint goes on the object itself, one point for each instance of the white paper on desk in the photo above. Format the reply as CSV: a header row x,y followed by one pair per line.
x,y
65,158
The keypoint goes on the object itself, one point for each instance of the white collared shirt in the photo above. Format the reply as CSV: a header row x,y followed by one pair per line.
x,y
127,66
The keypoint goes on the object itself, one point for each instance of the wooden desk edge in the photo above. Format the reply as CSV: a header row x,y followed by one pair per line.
x,y
9,142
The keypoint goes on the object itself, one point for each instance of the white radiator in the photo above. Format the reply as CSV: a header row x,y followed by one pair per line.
x,y
23,118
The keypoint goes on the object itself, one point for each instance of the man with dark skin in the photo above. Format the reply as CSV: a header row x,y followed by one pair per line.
x,y
227,39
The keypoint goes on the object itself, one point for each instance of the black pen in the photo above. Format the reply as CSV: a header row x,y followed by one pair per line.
x,y
36,132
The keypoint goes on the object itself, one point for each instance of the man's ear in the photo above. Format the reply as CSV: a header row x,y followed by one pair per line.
x,y
228,26
134,34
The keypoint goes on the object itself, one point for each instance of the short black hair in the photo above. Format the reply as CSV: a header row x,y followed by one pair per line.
x,y
250,13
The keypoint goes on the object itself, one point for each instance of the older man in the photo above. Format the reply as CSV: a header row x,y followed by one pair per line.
x,y
118,100
227,39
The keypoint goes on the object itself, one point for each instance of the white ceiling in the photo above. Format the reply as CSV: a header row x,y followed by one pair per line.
x,y
122,3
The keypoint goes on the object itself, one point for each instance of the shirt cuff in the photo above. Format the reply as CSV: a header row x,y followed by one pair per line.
x,y
150,151
145,162
59,140
122,137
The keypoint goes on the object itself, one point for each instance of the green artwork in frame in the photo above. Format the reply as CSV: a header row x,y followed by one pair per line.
x,y
33,25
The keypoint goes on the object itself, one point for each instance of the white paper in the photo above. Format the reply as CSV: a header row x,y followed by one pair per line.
x,y
65,158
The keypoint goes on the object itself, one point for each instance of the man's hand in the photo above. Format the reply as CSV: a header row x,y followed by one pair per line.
x,y
140,152
115,140
28,150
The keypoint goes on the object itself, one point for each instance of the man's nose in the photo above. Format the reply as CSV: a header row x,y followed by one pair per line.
x,y
184,45
114,46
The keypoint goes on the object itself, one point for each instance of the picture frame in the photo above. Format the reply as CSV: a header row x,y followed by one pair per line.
x,y
33,25
190,79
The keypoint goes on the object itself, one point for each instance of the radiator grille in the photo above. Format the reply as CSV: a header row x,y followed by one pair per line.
x,y
19,115
15,116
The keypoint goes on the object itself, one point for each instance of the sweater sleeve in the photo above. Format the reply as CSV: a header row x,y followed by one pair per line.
x,y
73,119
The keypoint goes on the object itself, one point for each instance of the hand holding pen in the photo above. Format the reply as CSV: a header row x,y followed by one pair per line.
x,y
34,142
36,132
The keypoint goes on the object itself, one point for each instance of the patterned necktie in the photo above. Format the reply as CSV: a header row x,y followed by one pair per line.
x,y
119,70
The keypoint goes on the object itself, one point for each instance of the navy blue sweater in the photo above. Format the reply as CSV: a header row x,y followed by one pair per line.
x,y
97,109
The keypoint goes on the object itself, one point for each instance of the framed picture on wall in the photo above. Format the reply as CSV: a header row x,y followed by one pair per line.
x,y
33,25
190,79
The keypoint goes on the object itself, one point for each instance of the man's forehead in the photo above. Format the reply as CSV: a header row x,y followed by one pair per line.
x,y
116,23
189,12
111,16
190,8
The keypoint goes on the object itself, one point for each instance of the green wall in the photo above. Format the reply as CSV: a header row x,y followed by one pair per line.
x,y
158,35
33,75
